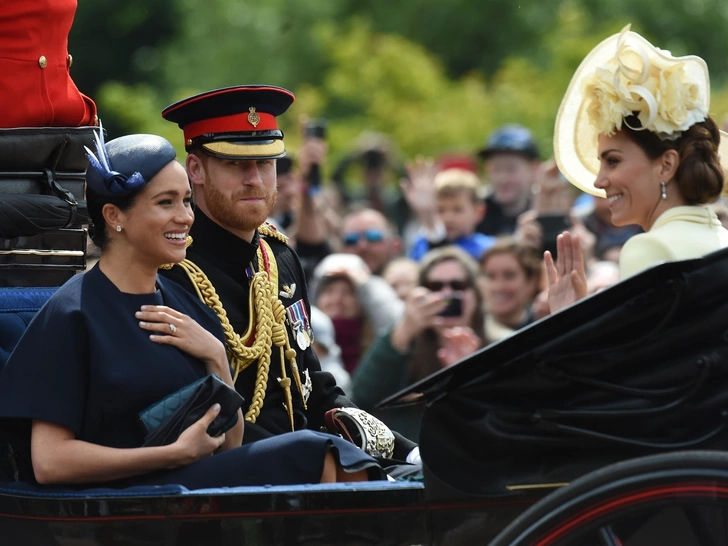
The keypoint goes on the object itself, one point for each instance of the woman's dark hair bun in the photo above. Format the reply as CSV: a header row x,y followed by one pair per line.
x,y
700,176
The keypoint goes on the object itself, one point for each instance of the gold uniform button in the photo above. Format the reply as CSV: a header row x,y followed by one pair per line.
x,y
70,61
42,62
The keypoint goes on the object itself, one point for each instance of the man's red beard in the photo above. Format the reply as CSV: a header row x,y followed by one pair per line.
x,y
231,212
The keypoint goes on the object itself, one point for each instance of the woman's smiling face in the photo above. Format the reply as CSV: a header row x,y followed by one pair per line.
x,y
630,178
156,225
508,290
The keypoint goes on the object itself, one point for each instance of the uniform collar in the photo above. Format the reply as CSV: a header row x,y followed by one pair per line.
x,y
213,240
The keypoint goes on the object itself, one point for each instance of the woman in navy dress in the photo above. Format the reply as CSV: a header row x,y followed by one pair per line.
x,y
119,338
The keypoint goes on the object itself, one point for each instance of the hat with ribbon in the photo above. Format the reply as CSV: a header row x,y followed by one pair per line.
x,y
626,75
234,122
126,164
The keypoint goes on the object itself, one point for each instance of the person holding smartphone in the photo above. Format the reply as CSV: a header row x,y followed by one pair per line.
x,y
301,211
443,323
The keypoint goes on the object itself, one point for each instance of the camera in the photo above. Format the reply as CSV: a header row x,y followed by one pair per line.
x,y
553,225
316,128
454,306
373,159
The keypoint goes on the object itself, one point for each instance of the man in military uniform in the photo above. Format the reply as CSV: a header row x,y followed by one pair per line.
x,y
244,269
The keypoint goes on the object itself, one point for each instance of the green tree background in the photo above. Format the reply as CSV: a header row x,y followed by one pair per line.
x,y
436,76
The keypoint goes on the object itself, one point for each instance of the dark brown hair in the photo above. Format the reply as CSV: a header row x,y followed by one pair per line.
x,y
95,204
424,360
699,176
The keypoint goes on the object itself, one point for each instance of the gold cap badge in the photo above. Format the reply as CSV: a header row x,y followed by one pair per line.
x,y
253,117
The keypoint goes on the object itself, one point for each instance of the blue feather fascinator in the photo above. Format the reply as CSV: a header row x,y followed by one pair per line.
x,y
126,164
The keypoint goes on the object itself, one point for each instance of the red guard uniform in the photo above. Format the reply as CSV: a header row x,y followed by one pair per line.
x,y
36,89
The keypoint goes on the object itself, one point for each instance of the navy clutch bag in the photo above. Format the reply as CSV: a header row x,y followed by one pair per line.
x,y
165,420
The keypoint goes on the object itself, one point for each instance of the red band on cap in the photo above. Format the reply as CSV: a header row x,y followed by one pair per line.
x,y
236,123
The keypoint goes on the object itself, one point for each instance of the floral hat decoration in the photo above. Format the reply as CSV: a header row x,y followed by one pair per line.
x,y
626,75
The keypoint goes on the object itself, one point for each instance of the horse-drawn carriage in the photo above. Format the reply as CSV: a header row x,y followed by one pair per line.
x,y
583,428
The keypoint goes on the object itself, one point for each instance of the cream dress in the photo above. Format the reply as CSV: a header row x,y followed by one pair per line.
x,y
679,233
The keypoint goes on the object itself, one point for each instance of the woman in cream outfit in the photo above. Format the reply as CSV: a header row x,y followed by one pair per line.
x,y
634,127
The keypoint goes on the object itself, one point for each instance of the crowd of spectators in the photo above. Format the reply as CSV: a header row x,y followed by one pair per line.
x,y
414,266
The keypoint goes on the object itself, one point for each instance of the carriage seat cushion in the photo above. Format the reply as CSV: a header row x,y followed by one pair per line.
x,y
18,306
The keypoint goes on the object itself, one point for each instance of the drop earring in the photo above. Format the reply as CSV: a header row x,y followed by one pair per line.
x,y
663,187
118,228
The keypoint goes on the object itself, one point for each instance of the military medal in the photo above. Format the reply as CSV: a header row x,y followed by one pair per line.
x,y
300,339
307,325
298,320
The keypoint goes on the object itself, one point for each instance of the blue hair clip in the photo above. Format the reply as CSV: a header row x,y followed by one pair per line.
x,y
107,181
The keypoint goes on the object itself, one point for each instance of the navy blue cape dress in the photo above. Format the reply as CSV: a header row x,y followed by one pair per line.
x,y
84,363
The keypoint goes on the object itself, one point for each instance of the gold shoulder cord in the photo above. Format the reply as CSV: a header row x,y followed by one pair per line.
x,y
267,323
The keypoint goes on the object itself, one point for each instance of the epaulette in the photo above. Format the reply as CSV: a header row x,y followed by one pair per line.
x,y
269,230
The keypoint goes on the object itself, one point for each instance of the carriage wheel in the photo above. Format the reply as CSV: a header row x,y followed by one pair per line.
x,y
675,498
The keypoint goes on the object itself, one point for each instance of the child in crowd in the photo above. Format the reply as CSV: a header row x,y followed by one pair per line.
x,y
459,210
401,274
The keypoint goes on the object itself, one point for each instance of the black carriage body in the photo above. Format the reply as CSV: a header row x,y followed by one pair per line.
x,y
639,368
395,514
46,259
474,486
48,162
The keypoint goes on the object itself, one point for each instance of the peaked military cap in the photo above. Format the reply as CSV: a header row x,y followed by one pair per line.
x,y
233,122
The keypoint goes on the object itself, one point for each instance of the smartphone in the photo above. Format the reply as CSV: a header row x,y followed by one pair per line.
x,y
454,307
553,225
316,128
374,159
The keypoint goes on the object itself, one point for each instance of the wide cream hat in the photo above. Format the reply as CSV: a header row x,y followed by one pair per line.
x,y
622,75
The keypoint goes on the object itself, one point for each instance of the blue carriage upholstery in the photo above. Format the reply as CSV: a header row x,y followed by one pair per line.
x,y
141,491
18,306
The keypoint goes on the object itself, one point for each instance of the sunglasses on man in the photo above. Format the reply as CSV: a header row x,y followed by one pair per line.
x,y
370,236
